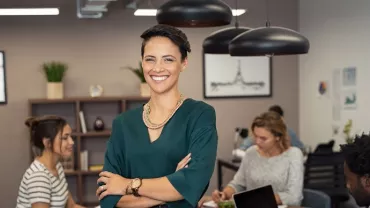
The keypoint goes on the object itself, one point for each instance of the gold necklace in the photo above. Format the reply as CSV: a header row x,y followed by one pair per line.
x,y
150,124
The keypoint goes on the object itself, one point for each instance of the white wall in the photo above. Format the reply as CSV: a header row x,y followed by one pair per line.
x,y
339,34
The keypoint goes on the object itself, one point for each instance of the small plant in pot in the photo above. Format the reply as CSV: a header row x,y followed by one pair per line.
x,y
54,72
347,131
144,87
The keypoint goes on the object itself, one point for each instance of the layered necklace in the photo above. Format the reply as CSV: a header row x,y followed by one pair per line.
x,y
152,125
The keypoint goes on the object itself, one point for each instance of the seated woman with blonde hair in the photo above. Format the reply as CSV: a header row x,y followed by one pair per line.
x,y
271,161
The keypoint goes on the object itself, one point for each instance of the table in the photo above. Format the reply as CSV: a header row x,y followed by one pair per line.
x,y
208,198
227,163
287,207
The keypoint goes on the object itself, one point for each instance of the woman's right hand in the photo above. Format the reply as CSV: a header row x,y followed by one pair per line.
x,y
184,162
218,196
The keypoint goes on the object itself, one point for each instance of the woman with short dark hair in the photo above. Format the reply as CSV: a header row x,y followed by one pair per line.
x,y
141,163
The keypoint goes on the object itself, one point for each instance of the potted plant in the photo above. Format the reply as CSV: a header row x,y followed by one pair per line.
x,y
347,131
226,204
144,87
54,72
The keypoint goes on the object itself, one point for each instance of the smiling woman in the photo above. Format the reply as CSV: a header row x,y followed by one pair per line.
x,y
44,183
162,153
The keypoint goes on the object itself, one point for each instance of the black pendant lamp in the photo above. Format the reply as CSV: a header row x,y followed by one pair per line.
x,y
269,41
218,42
194,13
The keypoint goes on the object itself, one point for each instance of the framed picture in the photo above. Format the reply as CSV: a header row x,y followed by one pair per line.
x,y
3,98
225,76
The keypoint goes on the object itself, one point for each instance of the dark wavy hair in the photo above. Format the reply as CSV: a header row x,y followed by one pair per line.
x,y
357,155
44,127
174,34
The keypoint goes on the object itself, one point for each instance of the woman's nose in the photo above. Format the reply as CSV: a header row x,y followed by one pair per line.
x,y
71,141
158,67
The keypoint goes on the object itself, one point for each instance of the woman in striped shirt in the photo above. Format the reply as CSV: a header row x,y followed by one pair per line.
x,y
44,184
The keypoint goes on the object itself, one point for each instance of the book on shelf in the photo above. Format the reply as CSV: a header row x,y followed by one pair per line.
x,y
84,160
83,122
96,167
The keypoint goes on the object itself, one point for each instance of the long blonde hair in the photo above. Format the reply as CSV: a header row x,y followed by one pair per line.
x,y
274,123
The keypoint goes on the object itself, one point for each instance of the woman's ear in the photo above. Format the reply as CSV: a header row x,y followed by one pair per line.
x,y
46,143
184,64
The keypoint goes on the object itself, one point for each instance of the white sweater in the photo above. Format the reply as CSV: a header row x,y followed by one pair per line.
x,y
283,172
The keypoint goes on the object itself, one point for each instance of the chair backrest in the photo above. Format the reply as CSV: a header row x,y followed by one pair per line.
x,y
315,199
324,170
325,147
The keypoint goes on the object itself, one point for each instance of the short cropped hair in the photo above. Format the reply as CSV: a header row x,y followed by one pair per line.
x,y
174,34
357,155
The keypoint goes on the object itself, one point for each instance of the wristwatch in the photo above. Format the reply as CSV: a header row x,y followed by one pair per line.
x,y
135,185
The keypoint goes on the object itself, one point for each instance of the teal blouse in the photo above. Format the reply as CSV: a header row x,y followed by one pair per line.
x,y
192,129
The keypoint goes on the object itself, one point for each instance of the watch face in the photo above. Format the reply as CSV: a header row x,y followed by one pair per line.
x,y
136,183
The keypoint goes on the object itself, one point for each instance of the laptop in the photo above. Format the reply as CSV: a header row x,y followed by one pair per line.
x,y
257,198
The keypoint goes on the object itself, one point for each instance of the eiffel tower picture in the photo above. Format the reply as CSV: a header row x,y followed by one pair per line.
x,y
236,77
239,81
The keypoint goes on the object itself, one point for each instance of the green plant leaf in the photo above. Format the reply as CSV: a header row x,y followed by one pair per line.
x,y
54,71
138,72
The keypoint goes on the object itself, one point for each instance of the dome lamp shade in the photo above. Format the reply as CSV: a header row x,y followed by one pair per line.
x,y
218,42
269,41
194,13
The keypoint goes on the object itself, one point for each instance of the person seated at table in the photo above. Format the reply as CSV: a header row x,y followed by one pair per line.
x,y
44,184
272,161
357,169
294,139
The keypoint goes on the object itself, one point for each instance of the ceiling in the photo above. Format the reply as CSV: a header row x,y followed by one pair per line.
x,y
72,3
84,9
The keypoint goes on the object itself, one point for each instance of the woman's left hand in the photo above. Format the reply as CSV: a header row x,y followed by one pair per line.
x,y
113,184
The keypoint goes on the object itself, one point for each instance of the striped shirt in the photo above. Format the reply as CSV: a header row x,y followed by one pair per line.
x,y
40,185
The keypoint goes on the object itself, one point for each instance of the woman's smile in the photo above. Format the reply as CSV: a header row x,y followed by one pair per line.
x,y
159,79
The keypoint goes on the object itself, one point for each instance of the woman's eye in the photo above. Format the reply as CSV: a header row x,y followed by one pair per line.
x,y
168,60
149,60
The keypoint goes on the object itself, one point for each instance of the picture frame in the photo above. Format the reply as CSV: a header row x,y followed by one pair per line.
x,y
225,76
3,89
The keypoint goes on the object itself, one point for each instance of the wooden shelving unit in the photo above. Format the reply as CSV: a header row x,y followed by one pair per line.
x,y
82,184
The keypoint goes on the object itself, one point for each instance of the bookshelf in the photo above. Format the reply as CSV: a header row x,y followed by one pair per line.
x,y
82,183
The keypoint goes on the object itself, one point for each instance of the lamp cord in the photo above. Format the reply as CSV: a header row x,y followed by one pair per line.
x,y
267,14
236,15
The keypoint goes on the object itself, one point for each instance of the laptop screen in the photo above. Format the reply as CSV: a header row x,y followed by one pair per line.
x,y
261,197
